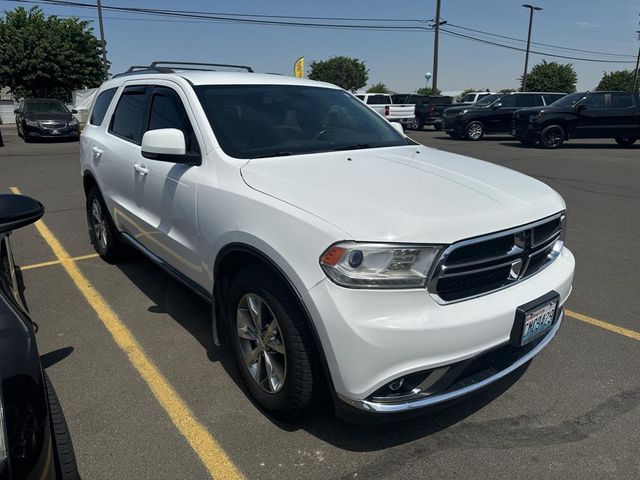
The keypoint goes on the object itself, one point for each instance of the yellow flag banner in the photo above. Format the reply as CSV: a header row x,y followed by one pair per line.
x,y
298,68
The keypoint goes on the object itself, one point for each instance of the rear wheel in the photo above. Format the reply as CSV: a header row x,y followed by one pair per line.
x,y
626,141
474,131
437,127
552,136
272,343
419,124
102,232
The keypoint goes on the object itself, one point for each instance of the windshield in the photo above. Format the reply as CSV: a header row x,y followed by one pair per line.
x,y
45,106
569,100
488,100
469,97
252,121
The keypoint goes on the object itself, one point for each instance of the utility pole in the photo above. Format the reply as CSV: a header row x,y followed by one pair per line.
x,y
526,58
635,72
434,85
102,43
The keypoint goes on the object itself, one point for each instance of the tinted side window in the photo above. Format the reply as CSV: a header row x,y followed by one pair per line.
x,y
378,100
550,98
361,97
525,100
508,101
595,100
621,100
101,106
129,116
167,111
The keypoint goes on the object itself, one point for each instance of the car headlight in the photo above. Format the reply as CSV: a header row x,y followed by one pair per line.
x,y
379,265
31,123
74,121
462,113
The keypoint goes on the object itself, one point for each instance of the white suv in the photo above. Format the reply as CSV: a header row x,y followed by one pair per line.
x,y
336,252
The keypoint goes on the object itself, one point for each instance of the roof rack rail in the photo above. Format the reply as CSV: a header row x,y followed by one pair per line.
x,y
170,67
181,65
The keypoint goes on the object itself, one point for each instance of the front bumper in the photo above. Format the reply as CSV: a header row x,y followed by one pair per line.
x,y
529,132
43,132
371,338
452,124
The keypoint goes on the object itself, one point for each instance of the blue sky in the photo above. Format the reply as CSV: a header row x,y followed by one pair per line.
x,y
400,59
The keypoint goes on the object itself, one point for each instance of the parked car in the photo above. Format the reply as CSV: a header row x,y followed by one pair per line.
x,y
429,111
335,250
473,97
45,118
492,114
383,104
613,115
34,439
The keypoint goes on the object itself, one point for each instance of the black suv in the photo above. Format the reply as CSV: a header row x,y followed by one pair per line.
x,y
580,115
492,114
45,118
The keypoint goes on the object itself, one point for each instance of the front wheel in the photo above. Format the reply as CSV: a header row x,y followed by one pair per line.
x,y
102,232
474,131
437,127
552,136
626,141
272,343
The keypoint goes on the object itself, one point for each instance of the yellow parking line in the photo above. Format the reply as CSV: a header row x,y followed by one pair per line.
x,y
56,262
211,454
607,326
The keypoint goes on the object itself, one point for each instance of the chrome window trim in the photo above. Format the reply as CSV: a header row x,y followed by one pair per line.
x,y
440,266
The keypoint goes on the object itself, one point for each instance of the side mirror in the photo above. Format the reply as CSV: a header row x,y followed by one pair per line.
x,y
496,106
16,211
167,145
17,110
398,126
74,111
581,107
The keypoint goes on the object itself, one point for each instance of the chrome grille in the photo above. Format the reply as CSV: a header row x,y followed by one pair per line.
x,y
481,265
53,125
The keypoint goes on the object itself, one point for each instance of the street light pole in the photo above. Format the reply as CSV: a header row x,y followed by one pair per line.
x,y
526,58
102,43
635,72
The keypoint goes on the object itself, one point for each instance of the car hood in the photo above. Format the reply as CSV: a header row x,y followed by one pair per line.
x,y
404,194
59,117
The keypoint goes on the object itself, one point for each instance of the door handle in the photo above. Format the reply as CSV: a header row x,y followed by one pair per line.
x,y
141,169
97,152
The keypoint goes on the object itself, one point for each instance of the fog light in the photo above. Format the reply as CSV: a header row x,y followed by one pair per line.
x,y
396,385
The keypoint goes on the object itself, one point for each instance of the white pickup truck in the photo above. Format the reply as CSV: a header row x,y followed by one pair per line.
x,y
383,104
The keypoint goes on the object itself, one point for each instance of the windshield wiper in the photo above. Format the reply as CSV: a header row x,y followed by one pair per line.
x,y
284,153
356,146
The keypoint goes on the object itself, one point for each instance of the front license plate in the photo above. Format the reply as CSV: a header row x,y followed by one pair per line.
x,y
55,132
534,319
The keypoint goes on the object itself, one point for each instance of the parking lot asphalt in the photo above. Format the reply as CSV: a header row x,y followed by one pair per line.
x,y
573,413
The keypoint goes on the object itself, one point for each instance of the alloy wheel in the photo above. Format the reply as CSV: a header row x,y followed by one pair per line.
x,y
261,343
552,137
99,223
474,131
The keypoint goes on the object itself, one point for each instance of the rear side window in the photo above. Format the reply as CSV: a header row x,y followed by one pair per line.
x,y
595,100
525,100
361,97
378,100
101,106
128,119
621,100
167,111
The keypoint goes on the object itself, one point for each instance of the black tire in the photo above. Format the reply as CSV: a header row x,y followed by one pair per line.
x,y
437,127
552,136
64,455
107,245
420,125
18,130
474,131
301,388
626,141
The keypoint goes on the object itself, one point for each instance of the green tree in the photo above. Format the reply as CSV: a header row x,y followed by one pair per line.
x,y
552,77
379,87
346,72
507,90
428,91
47,56
618,80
